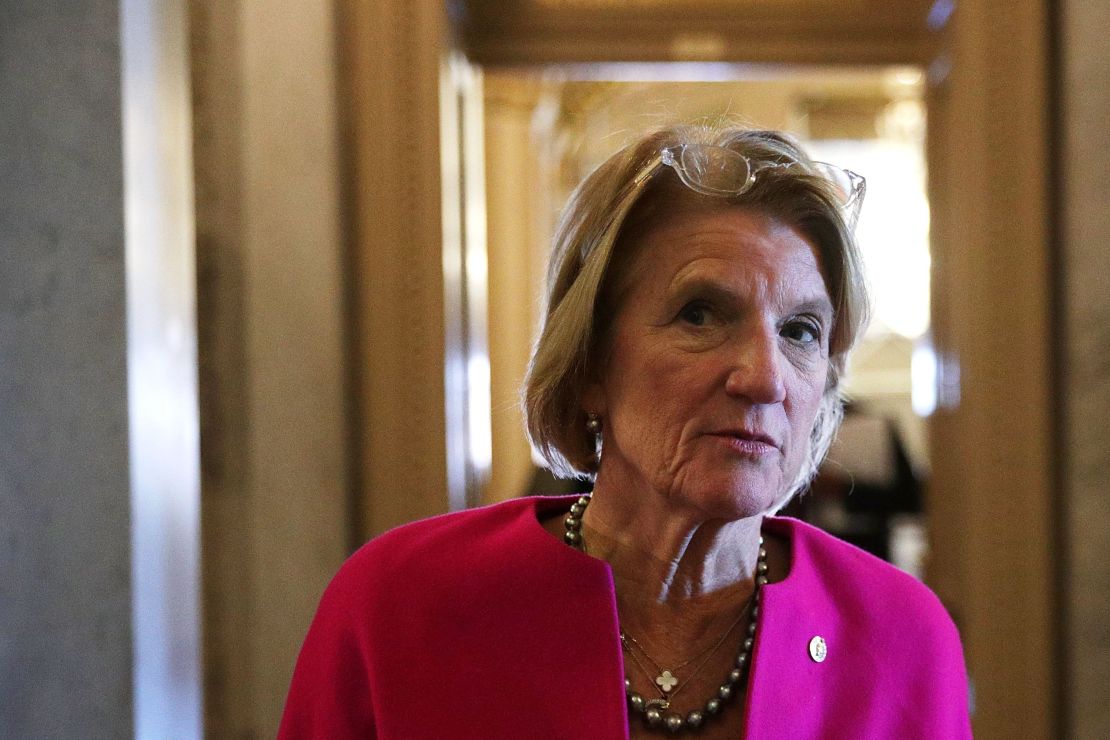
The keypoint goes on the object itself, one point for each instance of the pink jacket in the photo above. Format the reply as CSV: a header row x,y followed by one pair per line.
x,y
480,624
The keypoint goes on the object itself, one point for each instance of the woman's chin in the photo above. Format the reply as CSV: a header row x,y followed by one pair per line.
x,y
730,499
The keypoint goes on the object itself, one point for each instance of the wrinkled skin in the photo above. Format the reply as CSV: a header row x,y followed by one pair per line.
x,y
717,365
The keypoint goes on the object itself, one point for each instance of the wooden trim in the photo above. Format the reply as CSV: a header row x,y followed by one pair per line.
x,y
991,503
1083,344
847,32
392,51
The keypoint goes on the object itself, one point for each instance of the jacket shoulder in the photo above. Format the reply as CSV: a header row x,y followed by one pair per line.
x,y
871,589
451,556
892,644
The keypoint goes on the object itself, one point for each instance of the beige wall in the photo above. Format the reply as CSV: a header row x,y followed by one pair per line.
x,y
274,435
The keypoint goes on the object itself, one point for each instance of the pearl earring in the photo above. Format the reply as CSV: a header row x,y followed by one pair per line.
x,y
593,423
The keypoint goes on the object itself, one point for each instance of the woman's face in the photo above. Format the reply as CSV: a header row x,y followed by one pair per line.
x,y
718,361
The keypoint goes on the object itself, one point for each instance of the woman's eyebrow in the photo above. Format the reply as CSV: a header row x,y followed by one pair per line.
x,y
703,286
709,288
819,305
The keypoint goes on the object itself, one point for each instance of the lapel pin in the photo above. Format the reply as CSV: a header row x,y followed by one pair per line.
x,y
818,649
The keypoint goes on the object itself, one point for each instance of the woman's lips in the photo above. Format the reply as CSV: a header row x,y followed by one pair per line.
x,y
748,443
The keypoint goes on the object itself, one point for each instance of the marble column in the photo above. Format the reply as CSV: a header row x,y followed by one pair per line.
x,y
99,469
65,595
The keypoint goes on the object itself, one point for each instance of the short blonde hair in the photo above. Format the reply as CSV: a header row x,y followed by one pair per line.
x,y
587,262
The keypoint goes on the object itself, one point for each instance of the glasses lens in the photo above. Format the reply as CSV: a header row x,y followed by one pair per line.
x,y
719,171
713,170
849,186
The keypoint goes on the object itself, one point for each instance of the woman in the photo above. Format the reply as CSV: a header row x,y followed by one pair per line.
x,y
704,293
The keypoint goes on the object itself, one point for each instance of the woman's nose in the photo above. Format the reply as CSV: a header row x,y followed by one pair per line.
x,y
757,374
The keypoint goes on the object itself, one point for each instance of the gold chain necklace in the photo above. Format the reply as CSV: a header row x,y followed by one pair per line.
x,y
666,680
656,712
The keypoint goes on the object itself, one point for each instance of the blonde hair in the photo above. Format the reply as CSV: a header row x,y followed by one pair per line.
x,y
590,257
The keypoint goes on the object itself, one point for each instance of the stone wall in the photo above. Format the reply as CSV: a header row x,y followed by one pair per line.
x,y
65,607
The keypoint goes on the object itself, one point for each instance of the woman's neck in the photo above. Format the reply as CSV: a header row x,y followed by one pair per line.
x,y
680,578
672,558
683,584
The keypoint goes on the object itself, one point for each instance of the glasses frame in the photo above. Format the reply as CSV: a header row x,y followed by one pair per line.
x,y
734,167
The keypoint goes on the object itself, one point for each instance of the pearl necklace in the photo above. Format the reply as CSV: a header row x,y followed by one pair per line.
x,y
666,680
654,711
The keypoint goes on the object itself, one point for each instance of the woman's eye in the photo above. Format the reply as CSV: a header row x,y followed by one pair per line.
x,y
802,332
695,313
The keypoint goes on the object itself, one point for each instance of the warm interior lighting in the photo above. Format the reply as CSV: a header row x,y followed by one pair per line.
x,y
923,379
894,224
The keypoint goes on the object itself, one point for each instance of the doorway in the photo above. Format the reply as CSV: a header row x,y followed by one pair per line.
x,y
547,127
